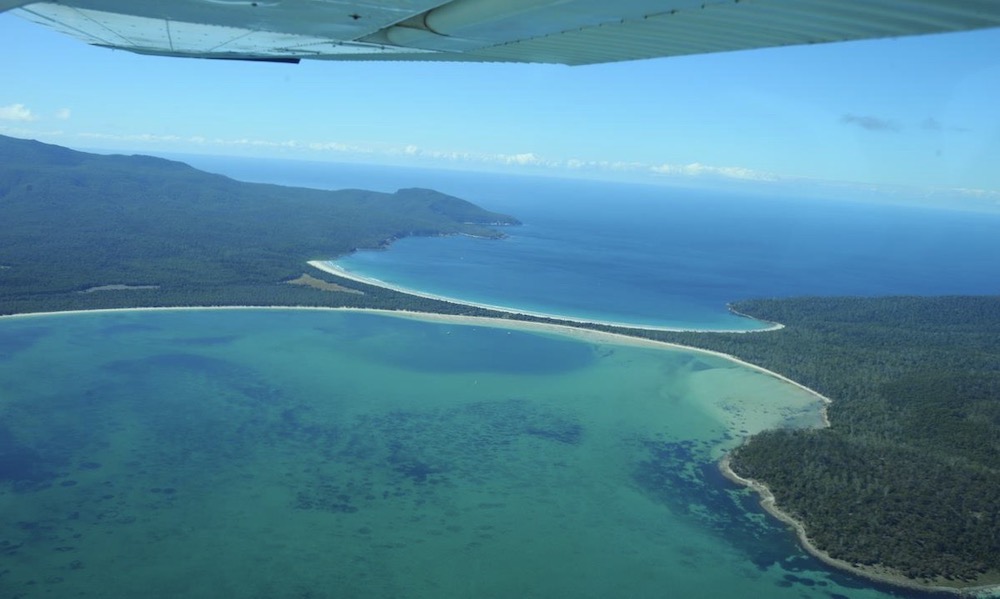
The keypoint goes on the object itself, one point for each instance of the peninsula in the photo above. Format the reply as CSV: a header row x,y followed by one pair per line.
x,y
84,231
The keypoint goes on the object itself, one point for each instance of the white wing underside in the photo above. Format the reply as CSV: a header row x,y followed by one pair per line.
x,y
573,32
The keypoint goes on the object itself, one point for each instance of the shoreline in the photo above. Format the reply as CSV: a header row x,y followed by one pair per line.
x,y
338,271
875,573
767,499
567,330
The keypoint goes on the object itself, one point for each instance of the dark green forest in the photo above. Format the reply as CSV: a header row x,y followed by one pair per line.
x,y
907,475
72,221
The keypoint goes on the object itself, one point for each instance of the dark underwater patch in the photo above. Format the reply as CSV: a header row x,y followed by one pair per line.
x,y
207,341
116,330
458,349
698,366
420,451
24,467
679,475
560,431
223,373
14,339
189,363
181,361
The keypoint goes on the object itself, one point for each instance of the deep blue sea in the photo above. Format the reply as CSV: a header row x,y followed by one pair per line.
x,y
656,255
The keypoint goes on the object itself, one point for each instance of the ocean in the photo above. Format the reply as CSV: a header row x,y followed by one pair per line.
x,y
661,256
292,453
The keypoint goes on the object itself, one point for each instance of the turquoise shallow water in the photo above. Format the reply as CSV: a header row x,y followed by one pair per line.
x,y
280,454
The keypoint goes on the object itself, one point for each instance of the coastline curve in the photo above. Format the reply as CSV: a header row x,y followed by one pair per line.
x,y
767,499
330,268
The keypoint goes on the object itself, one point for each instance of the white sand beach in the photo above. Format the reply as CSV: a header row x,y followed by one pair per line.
x,y
335,270
587,335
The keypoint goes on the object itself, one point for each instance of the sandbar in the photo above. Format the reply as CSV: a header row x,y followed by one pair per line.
x,y
338,271
566,330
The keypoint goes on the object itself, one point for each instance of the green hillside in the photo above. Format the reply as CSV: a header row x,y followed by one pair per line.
x,y
72,221
908,474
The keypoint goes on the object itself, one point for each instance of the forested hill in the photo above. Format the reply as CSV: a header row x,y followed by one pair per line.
x,y
72,221
908,474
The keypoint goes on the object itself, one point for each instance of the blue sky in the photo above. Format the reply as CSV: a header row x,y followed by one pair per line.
x,y
922,112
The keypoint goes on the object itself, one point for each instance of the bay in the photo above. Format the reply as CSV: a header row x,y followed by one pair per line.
x,y
291,453
662,256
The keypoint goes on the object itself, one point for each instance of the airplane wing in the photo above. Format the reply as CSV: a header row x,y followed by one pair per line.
x,y
573,32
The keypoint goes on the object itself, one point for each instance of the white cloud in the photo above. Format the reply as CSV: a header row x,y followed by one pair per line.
x,y
414,152
984,194
696,169
336,150
576,164
63,114
16,112
32,133
522,159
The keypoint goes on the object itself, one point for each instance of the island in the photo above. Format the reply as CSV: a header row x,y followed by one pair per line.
x,y
903,485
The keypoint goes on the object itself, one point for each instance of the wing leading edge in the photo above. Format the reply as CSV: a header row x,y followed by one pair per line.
x,y
574,32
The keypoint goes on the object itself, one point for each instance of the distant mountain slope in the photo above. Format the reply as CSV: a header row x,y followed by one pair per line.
x,y
70,221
